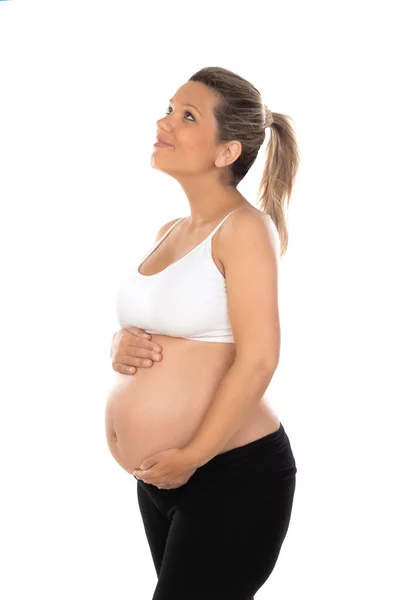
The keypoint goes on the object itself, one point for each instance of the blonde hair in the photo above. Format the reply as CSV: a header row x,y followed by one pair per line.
x,y
241,115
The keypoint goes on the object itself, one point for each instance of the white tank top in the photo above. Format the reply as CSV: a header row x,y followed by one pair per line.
x,y
187,299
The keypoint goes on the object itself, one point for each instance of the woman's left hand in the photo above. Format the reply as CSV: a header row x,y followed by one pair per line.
x,y
166,470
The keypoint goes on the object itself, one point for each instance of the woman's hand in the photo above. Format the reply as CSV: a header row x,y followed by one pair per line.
x,y
166,470
132,347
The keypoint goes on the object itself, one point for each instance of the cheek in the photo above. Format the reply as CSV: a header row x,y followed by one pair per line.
x,y
197,149
196,159
191,138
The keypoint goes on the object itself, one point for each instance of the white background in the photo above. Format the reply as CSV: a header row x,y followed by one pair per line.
x,y
82,84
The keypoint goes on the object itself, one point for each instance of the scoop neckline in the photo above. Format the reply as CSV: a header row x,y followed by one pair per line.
x,y
175,262
185,255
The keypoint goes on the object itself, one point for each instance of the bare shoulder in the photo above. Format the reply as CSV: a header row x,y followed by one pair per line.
x,y
248,222
251,279
164,229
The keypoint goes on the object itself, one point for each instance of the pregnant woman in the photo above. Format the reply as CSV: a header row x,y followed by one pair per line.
x,y
213,463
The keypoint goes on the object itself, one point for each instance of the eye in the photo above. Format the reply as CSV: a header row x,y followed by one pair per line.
x,y
186,112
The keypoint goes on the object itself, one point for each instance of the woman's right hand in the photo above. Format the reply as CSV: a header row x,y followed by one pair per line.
x,y
132,347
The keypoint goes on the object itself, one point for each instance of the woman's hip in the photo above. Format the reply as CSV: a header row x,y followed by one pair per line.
x,y
263,470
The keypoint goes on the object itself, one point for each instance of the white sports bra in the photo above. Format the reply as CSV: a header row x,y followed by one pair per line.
x,y
187,299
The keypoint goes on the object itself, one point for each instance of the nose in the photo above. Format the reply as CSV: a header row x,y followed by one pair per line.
x,y
161,129
165,120
161,124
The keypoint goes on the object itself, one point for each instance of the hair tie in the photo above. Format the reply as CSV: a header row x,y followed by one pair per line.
x,y
269,117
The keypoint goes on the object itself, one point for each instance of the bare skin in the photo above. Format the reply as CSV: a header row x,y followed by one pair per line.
x,y
163,406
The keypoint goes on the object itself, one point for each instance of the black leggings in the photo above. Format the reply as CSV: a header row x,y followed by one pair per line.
x,y
218,536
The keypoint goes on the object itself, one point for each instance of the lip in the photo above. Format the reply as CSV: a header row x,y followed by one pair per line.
x,y
160,142
162,145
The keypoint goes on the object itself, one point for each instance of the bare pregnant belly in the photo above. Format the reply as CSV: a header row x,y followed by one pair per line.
x,y
163,406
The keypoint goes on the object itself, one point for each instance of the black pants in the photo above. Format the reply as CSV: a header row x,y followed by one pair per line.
x,y
218,536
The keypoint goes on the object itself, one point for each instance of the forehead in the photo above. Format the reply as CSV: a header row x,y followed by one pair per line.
x,y
194,92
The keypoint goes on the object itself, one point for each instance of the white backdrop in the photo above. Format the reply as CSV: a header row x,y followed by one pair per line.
x,y
82,84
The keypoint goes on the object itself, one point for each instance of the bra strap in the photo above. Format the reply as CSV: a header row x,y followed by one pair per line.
x,y
170,229
156,244
223,220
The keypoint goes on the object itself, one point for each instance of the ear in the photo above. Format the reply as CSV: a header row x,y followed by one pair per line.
x,y
229,153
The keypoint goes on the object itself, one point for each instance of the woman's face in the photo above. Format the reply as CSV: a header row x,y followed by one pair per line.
x,y
190,131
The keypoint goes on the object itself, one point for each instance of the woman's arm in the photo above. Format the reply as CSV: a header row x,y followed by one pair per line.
x,y
248,252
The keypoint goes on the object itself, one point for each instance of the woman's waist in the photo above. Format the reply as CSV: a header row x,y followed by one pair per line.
x,y
192,351
175,390
185,366
167,408
258,462
160,393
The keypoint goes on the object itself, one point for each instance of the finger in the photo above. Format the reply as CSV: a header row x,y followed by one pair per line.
x,y
146,348
136,331
136,356
125,370
146,343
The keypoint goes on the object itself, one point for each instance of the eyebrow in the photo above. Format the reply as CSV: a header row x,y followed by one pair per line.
x,y
171,100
